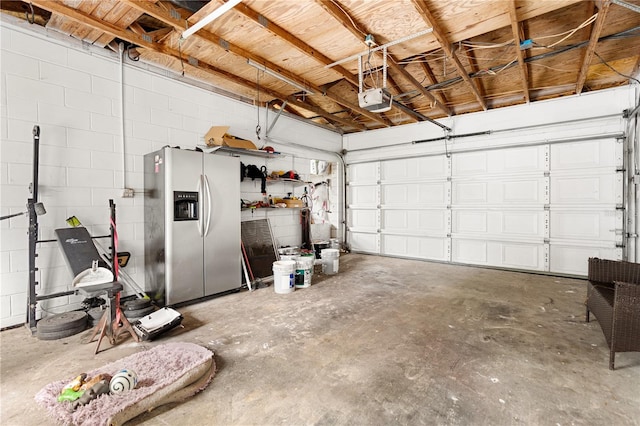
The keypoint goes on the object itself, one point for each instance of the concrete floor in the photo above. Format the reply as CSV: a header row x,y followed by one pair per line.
x,y
385,341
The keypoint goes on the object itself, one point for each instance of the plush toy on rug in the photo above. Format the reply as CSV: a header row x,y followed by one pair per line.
x,y
100,388
161,375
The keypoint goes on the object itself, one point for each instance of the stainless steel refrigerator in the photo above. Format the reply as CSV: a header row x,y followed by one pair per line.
x,y
192,225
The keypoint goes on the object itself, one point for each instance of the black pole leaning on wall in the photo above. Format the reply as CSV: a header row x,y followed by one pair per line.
x,y
33,233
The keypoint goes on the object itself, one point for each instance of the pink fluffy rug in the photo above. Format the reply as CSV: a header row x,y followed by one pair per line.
x,y
166,373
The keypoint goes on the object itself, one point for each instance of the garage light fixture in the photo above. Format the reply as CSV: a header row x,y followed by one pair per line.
x,y
278,76
210,18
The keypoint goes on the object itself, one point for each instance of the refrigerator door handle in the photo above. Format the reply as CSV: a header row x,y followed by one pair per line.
x,y
209,208
200,205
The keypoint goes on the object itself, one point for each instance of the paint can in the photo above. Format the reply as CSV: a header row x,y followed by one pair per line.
x,y
304,271
284,276
330,261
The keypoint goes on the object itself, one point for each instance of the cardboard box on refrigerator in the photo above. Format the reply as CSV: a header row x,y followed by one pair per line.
x,y
218,136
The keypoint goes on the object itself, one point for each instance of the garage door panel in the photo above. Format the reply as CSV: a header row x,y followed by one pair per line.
x,y
416,247
365,242
505,161
506,191
415,194
415,221
469,251
509,224
586,225
412,169
499,253
586,189
523,256
364,220
585,155
568,259
363,173
363,196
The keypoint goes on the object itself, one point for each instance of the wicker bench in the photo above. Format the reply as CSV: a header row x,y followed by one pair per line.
x,y
613,296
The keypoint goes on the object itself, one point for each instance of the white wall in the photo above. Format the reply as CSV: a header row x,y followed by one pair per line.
x,y
549,117
72,92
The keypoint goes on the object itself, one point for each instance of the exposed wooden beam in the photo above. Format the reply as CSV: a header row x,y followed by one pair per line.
x,y
346,21
294,41
524,72
153,10
593,42
439,34
55,6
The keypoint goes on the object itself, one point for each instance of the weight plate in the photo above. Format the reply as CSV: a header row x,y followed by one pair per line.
x,y
61,322
134,305
60,334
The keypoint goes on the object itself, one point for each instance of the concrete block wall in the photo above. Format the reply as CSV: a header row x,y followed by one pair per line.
x,y
72,92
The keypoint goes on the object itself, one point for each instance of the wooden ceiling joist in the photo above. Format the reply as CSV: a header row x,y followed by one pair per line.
x,y
591,47
164,16
348,22
55,6
524,72
294,41
439,34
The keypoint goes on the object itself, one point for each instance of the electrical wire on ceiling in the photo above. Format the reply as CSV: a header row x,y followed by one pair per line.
x,y
615,70
483,45
371,70
631,32
349,17
568,33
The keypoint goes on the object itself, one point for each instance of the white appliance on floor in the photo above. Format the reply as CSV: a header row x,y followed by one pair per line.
x,y
192,225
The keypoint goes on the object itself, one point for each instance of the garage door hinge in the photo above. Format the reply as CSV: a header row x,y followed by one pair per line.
x,y
547,207
620,170
546,241
547,173
619,245
619,207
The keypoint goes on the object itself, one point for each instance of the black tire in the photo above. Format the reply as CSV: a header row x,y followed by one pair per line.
x,y
139,313
137,304
62,322
61,334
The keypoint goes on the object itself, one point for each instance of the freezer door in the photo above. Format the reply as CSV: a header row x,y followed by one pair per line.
x,y
184,243
222,224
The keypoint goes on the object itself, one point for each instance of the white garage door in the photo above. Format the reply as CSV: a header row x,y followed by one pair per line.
x,y
539,208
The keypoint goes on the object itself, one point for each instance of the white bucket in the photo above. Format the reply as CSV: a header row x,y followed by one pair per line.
x,y
304,271
330,261
283,276
288,257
